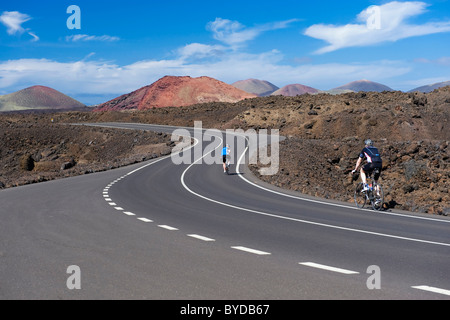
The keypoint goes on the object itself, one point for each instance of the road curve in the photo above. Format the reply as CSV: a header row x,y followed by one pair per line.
x,y
157,230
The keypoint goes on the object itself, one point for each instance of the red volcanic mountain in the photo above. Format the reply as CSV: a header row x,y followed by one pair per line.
x,y
293,90
38,98
173,91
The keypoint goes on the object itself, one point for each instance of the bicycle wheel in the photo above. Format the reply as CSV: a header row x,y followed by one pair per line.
x,y
360,197
378,198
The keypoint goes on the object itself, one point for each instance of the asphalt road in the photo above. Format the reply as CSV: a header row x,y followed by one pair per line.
x,y
157,230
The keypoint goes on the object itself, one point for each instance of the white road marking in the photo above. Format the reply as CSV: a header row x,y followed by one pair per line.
x,y
295,219
433,289
113,204
145,220
167,227
196,236
108,199
119,208
129,213
321,266
258,252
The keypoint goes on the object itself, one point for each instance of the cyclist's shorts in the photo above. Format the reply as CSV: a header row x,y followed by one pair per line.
x,y
374,167
224,159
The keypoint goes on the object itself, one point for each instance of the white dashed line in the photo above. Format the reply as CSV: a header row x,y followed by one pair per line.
x,y
196,236
261,253
119,208
168,227
433,289
112,203
321,266
129,213
143,219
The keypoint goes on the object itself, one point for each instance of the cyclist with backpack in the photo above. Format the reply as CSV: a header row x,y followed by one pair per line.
x,y
374,163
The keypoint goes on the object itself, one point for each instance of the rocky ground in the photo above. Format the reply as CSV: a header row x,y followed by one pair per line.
x,y
324,135
33,149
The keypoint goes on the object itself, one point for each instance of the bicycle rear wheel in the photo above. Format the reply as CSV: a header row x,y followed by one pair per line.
x,y
360,196
378,198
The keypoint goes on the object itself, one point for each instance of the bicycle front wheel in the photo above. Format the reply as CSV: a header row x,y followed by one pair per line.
x,y
378,198
360,196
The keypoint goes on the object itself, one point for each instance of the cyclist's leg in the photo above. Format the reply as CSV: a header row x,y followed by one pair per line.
x,y
364,171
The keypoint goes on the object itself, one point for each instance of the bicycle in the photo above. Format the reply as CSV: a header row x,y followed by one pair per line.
x,y
374,195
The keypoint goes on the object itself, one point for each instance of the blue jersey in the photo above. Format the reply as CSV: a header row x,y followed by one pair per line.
x,y
225,151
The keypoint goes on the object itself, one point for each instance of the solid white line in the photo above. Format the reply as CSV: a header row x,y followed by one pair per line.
x,y
433,289
196,236
168,227
261,253
321,266
145,220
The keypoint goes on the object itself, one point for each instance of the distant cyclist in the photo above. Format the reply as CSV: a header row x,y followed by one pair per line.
x,y
226,157
374,163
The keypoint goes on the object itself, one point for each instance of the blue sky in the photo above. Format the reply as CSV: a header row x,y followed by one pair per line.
x,y
124,45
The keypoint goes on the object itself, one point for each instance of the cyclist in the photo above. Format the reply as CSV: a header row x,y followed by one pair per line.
x,y
226,157
374,163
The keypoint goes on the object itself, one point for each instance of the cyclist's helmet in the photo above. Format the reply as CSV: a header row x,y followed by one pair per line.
x,y
368,142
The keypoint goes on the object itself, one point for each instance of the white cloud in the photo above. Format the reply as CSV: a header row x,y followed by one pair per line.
x,y
35,37
13,21
85,37
224,62
199,51
442,61
392,27
233,33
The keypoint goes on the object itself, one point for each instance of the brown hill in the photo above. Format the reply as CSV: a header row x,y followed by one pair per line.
x,y
38,98
431,87
173,91
293,90
364,86
261,88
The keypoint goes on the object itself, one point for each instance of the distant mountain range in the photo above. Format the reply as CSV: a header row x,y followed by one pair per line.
x,y
171,91
38,98
181,91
